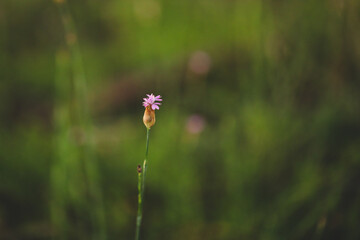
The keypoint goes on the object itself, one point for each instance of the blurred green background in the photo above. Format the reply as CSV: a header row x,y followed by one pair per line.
x,y
258,136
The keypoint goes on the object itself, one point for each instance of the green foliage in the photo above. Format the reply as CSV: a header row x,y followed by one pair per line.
x,y
257,138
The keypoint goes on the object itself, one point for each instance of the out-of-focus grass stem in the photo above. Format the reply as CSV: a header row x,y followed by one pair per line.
x,y
79,126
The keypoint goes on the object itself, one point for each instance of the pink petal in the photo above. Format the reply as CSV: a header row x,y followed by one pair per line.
x,y
152,101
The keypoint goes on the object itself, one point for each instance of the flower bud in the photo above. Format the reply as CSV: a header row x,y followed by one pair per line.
x,y
139,169
149,117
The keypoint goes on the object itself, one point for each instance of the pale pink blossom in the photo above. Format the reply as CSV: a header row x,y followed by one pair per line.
x,y
200,63
151,101
195,124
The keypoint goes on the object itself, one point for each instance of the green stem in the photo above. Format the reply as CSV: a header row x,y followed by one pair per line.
x,y
141,188
145,161
139,212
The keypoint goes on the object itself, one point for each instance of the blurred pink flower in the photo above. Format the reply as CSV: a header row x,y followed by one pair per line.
x,y
151,101
200,63
195,124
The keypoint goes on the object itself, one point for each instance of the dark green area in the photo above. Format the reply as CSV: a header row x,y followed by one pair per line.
x,y
258,136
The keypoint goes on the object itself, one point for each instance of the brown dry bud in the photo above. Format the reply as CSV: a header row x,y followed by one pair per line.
x,y
149,117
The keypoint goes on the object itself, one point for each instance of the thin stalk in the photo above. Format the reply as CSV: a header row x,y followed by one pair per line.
x,y
146,157
139,212
141,188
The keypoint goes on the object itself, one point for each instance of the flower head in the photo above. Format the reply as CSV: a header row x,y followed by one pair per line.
x,y
151,101
150,105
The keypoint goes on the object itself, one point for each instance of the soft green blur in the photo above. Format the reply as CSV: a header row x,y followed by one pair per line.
x,y
258,136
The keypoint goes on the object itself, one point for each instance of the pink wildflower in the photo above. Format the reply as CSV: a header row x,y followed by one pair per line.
x,y
150,105
151,101
195,124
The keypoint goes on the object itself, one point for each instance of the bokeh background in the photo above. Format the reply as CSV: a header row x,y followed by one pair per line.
x,y
258,136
